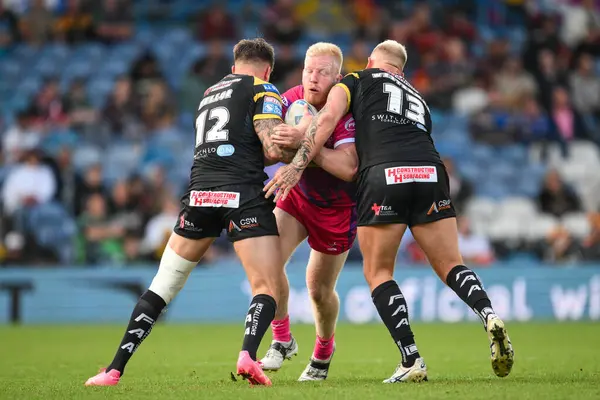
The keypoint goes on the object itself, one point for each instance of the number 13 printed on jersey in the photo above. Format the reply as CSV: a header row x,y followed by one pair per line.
x,y
415,109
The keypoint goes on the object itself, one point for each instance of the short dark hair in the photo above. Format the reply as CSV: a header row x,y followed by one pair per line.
x,y
254,50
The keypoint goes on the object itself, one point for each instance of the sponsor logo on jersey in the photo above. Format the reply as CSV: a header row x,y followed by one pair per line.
x,y
270,88
285,101
397,175
225,150
270,107
350,124
205,198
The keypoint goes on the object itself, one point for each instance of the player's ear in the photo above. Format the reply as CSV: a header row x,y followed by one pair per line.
x,y
267,74
233,69
369,63
338,78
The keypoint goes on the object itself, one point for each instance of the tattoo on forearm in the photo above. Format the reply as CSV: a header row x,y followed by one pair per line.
x,y
264,130
307,144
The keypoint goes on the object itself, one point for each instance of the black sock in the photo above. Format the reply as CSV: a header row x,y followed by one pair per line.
x,y
469,288
143,318
259,318
393,311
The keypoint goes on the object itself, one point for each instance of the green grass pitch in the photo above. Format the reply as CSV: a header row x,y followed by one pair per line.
x,y
553,361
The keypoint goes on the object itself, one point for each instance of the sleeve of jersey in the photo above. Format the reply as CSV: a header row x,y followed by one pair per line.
x,y
290,96
267,102
348,83
344,131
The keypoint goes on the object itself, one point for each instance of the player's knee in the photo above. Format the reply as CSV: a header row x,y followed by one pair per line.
x,y
172,274
320,294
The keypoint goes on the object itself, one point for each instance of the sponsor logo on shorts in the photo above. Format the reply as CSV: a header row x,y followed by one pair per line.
x,y
332,246
205,198
396,175
441,205
187,225
383,211
225,150
244,223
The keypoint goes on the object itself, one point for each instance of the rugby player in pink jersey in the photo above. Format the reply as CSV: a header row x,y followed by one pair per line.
x,y
321,208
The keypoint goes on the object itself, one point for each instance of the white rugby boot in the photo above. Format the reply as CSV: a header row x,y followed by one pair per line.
x,y
316,370
500,346
277,353
416,373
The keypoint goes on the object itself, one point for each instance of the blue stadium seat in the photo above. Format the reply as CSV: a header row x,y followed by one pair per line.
x,y
99,89
53,228
86,155
516,154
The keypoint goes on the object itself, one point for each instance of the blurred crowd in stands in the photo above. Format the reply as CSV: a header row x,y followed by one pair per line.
x,y
514,88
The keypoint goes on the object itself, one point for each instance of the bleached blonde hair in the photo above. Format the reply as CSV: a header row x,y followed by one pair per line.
x,y
327,49
391,52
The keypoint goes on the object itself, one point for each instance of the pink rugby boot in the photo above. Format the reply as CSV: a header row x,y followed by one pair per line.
x,y
110,378
251,370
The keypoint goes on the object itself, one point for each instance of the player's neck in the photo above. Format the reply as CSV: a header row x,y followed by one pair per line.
x,y
389,68
250,70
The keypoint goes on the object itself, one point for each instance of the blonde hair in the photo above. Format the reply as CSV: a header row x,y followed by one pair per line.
x,y
393,52
327,49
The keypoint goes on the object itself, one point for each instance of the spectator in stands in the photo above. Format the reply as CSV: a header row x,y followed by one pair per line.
x,y
473,98
581,23
457,24
286,61
192,89
159,228
101,238
9,30
461,190
449,74
514,84
585,93
78,107
215,63
548,77
123,211
355,59
29,183
91,182
494,125
114,21
475,249
156,106
145,70
215,23
535,125
560,246
556,197
567,120
542,35
120,110
76,24
49,106
37,24
591,244
326,17
23,135
281,23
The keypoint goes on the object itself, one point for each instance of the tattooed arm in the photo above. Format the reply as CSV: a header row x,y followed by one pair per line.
x,y
273,153
321,127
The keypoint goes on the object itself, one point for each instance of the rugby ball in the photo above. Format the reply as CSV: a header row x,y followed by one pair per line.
x,y
295,112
